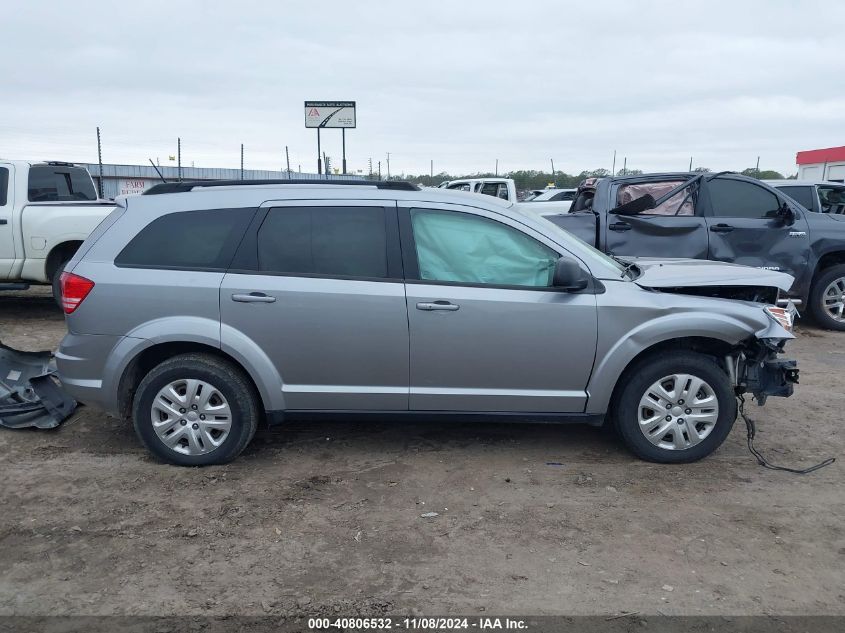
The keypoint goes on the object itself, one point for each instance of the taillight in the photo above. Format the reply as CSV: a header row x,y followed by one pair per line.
x,y
74,290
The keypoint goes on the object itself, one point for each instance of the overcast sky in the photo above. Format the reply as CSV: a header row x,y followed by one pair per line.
x,y
462,83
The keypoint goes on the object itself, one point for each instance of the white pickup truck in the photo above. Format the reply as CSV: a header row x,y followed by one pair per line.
x,y
46,211
505,188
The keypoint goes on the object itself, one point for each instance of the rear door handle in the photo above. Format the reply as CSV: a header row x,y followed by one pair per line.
x,y
620,226
721,228
254,297
438,305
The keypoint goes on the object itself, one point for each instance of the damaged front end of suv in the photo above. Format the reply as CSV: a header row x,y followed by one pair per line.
x,y
754,365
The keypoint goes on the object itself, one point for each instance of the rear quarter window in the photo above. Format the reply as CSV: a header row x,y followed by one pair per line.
x,y
188,240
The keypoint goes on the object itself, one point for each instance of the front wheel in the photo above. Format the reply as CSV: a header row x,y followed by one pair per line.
x,y
677,407
827,298
195,410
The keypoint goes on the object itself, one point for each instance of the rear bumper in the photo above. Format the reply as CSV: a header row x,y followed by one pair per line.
x,y
82,362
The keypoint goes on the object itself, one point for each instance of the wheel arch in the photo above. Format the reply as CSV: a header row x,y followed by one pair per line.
x,y
150,356
59,253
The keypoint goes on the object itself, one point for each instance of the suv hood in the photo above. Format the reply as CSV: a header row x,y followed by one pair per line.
x,y
690,273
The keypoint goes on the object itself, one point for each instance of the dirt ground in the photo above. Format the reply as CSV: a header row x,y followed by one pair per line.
x,y
325,518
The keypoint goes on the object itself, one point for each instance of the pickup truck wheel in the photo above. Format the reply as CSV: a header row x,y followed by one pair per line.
x,y
675,408
56,282
195,410
827,298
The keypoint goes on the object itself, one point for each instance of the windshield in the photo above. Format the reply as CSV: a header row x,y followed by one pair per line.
x,y
602,266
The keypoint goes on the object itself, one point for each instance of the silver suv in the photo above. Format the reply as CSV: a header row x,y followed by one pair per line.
x,y
202,310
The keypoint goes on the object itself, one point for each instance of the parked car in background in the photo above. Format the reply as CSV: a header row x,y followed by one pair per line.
x,y
817,196
203,309
502,188
553,201
724,217
46,211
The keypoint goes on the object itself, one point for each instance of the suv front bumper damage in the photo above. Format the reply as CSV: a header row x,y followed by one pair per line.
x,y
758,370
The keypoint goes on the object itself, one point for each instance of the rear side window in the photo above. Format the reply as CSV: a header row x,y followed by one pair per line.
x,y
329,241
54,183
801,195
679,204
189,240
4,186
740,199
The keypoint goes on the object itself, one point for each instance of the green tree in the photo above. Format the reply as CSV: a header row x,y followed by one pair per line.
x,y
763,174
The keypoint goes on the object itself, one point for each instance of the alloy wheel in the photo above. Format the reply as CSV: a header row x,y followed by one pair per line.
x,y
833,299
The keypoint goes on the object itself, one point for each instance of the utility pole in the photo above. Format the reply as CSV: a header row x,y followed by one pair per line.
x,y
287,160
690,163
100,162
370,163
242,161
179,156
758,167
624,165
613,168
432,168
497,167
379,170
554,178
388,166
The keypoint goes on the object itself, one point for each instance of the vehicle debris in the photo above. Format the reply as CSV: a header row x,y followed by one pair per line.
x,y
30,395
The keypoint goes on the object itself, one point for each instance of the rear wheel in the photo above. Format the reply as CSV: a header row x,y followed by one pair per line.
x,y
827,298
675,408
195,410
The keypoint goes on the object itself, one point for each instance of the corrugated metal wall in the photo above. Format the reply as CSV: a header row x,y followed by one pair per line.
x,y
115,176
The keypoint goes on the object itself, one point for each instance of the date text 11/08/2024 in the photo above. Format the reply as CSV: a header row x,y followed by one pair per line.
x,y
418,624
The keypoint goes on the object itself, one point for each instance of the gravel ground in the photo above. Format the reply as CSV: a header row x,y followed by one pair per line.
x,y
325,518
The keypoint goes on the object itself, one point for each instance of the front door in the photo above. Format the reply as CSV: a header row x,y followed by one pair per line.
x,y
488,332
676,228
7,224
744,227
318,287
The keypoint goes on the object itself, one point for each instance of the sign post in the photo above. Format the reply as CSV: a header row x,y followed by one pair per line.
x,y
330,114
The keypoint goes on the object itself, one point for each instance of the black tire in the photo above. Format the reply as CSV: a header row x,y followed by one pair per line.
x,y
816,299
56,282
229,380
648,371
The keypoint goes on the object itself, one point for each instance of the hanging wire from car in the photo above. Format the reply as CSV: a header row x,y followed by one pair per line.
x,y
752,431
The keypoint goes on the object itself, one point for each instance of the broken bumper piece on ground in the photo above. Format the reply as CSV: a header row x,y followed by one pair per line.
x,y
30,395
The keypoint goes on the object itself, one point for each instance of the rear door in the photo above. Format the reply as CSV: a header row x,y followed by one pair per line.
x,y
742,218
7,205
317,285
676,228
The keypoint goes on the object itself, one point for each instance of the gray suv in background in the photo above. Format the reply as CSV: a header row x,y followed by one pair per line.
x,y
201,310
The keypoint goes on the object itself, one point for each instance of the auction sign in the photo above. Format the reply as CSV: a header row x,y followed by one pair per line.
x,y
330,114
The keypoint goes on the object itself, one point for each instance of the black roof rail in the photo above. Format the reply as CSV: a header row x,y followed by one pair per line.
x,y
188,185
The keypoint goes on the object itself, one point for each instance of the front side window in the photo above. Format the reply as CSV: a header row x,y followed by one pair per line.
x,y
330,241
54,183
461,186
461,247
801,195
679,204
189,240
739,199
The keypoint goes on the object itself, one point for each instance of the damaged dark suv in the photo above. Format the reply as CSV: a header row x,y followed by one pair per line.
x,y
200,310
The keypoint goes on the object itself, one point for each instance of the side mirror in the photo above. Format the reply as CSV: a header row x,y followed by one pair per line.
x,y
568,275
786,214
638,205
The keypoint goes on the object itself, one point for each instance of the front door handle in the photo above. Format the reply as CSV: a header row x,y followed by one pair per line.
x,y
620,226
3,221
254,297
437,305
721,228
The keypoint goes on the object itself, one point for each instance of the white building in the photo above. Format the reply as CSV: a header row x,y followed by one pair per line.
x,y
822,164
